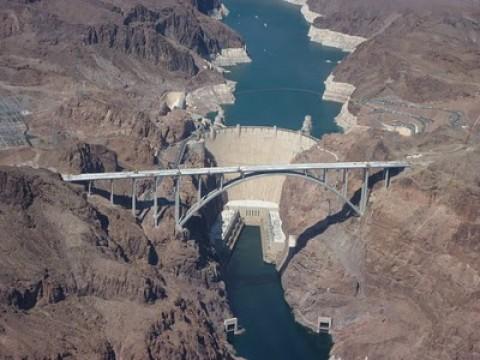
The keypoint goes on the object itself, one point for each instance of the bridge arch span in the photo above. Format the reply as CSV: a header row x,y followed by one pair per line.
x,y
253,176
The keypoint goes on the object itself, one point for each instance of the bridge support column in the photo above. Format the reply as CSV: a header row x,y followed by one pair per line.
x,y
387,177
364,192
199,190
325,176
155,202
111,193
177,202
90,188
345,182
134,198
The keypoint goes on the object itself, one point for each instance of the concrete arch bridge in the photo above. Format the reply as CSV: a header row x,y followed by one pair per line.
x,y
232,176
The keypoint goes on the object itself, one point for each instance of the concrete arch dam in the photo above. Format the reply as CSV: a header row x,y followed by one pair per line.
x,y
255,202
256,145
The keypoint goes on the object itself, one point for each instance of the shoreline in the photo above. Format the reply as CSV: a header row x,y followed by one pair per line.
x,y
220,13
326,37
231,57
334,91
209,98
340,93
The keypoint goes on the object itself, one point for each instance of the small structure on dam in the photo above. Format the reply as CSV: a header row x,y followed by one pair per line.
x,y
227,228
238,213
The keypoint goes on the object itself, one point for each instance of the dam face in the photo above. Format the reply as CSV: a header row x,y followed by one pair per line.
x,y
255,145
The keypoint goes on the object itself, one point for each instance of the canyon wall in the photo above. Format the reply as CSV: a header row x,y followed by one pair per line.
x,y
97,283
101,84
401,281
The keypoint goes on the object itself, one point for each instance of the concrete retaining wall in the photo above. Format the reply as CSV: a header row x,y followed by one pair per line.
x,y
256,145
266,216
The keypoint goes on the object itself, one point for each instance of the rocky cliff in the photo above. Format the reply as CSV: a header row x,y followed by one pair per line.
x,y
81,279
402,281
417,70
97,71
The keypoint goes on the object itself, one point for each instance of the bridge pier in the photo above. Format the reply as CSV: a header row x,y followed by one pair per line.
x,y
155,202
90,188
111,192
387,177
199,189
364,191
221,181
134,197
177,201
345,182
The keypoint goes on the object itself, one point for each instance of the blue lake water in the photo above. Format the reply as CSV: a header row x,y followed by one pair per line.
x,y
285,80
282,85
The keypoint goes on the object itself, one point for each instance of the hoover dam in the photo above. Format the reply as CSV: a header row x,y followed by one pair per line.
x,y
255,145
257,201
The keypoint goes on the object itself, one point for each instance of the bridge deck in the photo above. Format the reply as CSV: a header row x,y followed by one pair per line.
x,y
235,170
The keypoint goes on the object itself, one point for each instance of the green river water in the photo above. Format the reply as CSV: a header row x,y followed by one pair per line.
x,y
283,83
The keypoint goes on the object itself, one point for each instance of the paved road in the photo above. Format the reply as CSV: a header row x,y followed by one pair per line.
x,y
236,170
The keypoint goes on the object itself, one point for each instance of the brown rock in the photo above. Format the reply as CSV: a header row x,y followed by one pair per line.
x,y
76,280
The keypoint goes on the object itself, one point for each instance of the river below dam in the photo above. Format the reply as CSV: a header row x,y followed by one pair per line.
x,y
283,83
256,298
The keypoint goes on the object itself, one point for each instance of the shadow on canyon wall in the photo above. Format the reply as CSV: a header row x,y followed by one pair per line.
x,y
339,217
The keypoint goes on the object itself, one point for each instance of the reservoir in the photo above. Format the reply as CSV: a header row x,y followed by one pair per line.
x,y
283,83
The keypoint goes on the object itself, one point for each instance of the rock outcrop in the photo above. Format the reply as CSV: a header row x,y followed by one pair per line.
x,y
102,68
209,97
335,39
401,281
231,57
81,278
88,158
145,43
93,282
416,71
341,93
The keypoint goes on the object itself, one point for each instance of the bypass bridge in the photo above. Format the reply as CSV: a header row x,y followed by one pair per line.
x,y
232,176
